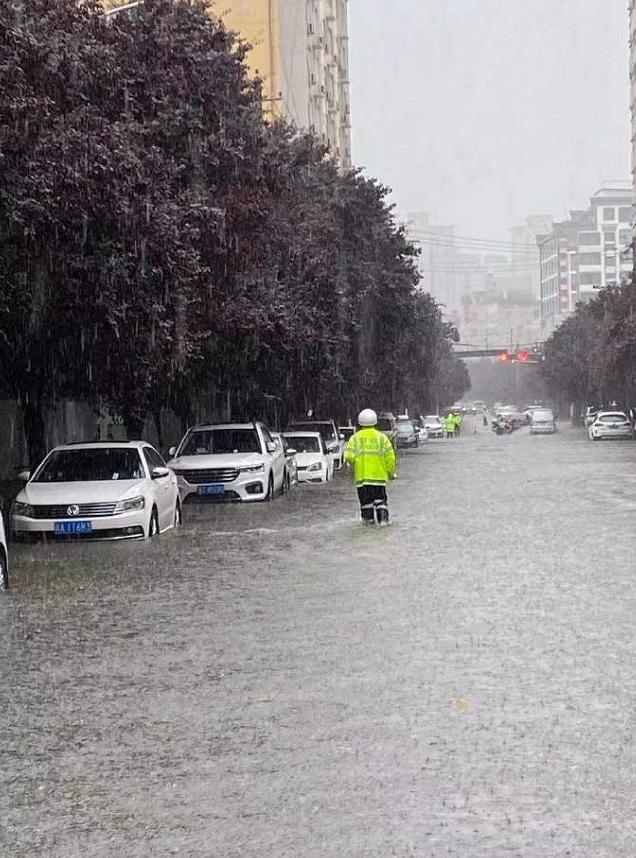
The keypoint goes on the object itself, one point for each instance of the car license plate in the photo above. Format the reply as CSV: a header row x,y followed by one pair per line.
x,y
615,425
212,490
73,527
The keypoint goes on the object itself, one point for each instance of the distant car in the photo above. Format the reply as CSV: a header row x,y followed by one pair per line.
x,y
421,430
4,557
407,434
315,464
529,410
434,426
291,465
590,415
387,425
610,424
229,461
330,435
101,490
542,422
346,432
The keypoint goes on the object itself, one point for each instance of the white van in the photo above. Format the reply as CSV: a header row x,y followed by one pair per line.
x,y
542,422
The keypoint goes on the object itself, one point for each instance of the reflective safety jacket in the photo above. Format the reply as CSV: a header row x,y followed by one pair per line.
x,y
372,456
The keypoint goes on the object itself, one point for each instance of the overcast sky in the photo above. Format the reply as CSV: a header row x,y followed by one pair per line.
x,y
485,111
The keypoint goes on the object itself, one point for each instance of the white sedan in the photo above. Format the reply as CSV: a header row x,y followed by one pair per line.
x,y
229,462
101,490
610,424
4,557
315,464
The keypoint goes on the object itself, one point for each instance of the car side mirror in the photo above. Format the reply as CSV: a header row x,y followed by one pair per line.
x,y
25,476
290,452
172,451
159,473
271,447
341,437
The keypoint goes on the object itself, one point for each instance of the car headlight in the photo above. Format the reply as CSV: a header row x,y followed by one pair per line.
x,y
253,469
24,509
133,503
317,466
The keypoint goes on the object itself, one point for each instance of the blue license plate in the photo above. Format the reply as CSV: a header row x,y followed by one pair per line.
x,y
212,490
72,527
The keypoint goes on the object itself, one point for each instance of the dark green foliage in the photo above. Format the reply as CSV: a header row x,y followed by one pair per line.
x,y
591,357
158,239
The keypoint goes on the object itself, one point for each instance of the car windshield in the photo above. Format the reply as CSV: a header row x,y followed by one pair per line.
x,y
433,419
204,442
101,464
304,443
384,424
405,426
325,429
612,418
538,416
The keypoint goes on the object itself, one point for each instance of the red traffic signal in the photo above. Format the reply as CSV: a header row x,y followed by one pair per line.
x,y
523,355
504,356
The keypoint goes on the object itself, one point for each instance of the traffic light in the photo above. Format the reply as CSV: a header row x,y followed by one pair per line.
x,y
504,357
523,355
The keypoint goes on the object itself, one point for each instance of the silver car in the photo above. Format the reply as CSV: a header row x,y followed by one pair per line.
x,y
610,424
542,423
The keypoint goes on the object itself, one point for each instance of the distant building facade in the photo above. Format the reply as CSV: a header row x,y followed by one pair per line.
x,y
589,251
632,77
300,50
438,261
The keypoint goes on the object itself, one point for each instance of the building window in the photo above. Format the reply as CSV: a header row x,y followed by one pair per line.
x,y
589,258
625,214
589,238
609,213
590,278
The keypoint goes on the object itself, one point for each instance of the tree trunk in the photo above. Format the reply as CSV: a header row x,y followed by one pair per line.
x,y
33,421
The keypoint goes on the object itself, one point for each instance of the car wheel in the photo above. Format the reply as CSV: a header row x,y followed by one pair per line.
x,y
596,437
178,515
4,571
153,525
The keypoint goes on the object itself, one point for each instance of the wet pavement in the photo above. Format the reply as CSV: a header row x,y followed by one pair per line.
x,y
278,680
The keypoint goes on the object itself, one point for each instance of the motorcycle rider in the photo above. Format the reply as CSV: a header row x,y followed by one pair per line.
x,y
372,457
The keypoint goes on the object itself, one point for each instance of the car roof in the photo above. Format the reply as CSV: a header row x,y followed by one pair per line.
x,y
208,426
610,413
309,420
302,434
99,445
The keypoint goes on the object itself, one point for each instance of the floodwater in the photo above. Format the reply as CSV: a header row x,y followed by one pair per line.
x,y
279,680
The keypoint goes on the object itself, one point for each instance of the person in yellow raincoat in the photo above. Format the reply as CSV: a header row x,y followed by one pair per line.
x,y
372,457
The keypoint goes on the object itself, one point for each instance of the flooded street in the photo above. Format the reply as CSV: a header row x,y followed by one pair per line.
x,y
278,680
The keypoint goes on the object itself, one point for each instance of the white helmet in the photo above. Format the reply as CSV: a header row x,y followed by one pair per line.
x,y
367,417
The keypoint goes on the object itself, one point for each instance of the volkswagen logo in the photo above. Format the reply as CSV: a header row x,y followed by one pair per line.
x,y
73,510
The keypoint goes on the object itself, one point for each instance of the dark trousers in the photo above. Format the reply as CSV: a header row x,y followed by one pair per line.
x,y
373,503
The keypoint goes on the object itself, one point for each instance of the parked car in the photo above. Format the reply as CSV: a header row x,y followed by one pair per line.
x,y
346,432
4,557
334,441
610,424
229,462
542,422
387,425
291,465
315,464
420,428
407,434
434,426
99,490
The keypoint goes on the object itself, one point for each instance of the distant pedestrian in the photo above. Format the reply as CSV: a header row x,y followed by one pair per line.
x,y
372,457
449,425
485,419
458,419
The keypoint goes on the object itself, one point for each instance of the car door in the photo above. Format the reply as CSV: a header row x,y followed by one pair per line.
x,y
162,488
277,458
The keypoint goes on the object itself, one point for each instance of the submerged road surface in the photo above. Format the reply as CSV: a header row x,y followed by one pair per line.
x,y
278,681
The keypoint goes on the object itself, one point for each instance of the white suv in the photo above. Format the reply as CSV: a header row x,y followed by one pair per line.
x,y
229,461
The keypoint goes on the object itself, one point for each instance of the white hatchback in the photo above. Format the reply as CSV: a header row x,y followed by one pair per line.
x,y
101,490
229,461
314,462
610,424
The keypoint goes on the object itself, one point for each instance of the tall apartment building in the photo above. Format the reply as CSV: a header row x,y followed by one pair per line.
x,y
300,50
589,251
632,77
438,261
